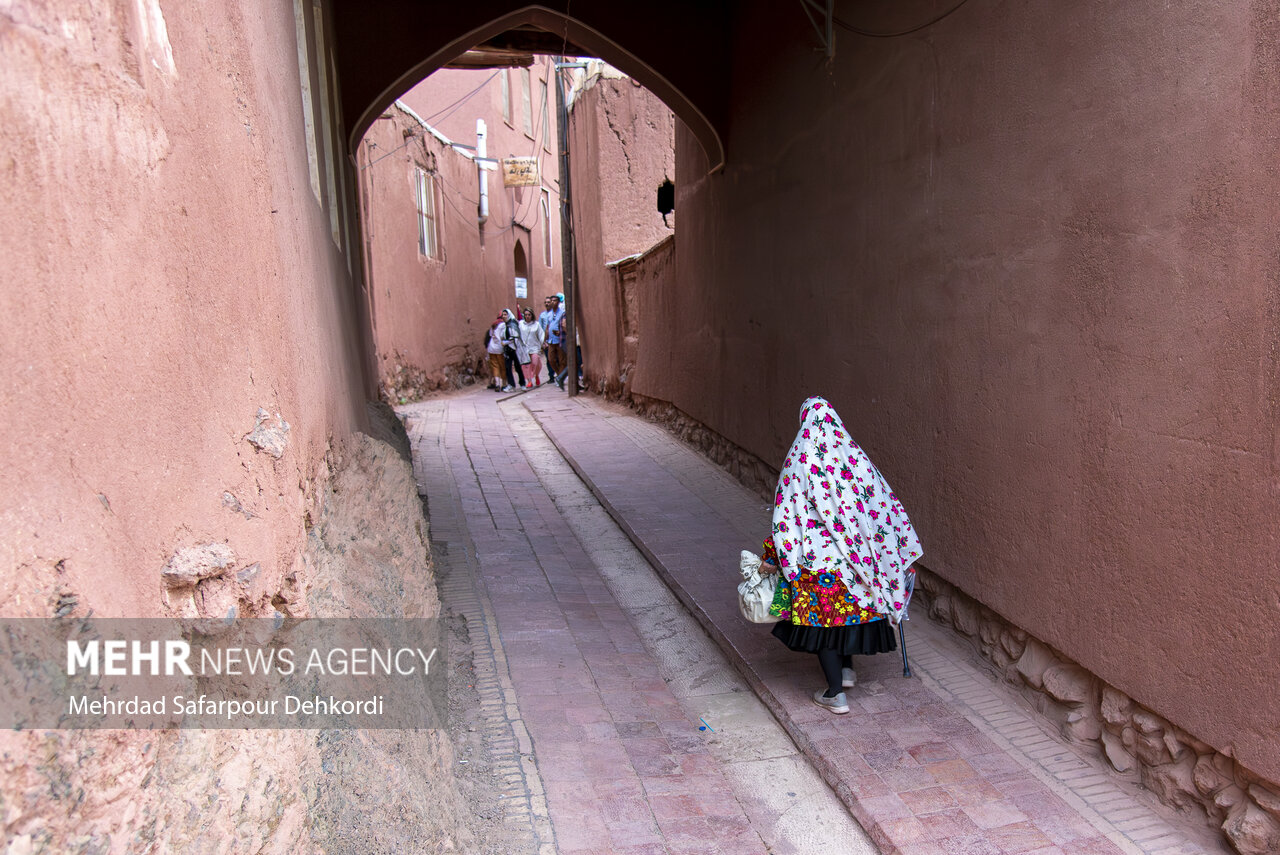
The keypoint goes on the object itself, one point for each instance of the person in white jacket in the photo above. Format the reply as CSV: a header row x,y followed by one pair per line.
x,y
532,336
512,350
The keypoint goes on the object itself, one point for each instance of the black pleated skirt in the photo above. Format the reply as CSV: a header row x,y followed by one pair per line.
x,y
864,639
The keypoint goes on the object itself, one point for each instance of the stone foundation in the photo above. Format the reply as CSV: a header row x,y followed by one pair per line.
x,y
403,383
268,791
1138,744
743,465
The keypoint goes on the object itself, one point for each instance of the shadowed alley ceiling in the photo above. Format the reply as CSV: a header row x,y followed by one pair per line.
x,y
678,50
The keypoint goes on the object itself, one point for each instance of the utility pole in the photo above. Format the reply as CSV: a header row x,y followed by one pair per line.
x,y
568,256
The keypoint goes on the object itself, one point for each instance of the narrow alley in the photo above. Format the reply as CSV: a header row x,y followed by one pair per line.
x,y
629,716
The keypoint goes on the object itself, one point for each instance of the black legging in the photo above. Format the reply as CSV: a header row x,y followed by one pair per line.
x,y
514,377
832,663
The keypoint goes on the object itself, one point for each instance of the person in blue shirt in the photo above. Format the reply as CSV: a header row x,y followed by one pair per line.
x,y
555,338
545,320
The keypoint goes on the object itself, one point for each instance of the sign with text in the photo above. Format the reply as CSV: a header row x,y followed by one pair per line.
x,y
520,172
259,673
522,288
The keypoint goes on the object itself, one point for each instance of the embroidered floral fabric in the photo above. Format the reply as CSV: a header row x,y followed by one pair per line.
x,y
815,598
835,516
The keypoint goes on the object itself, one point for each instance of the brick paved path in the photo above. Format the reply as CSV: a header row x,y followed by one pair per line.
x,y
621,766
945,762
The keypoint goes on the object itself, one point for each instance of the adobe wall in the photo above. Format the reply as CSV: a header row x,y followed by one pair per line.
x,y
621,147
170,273
1030,259
448,100
182,372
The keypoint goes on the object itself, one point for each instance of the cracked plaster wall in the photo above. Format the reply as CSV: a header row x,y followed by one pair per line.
x,y
622,146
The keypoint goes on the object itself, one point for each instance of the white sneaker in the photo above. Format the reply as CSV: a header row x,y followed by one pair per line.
x,y
508,388
848,679
838,705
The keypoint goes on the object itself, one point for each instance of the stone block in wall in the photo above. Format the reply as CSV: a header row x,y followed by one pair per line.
x,y
940,608
191,564
1147,722
1267,798
1013,641
990,632
1151,750
1253,831
1117,755
1083,726
268,438
1036,658
1229,797
964,616
1070,684
1226,802
1115,706
1174,783
1208,779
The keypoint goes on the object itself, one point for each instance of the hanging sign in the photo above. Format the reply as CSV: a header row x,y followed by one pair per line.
x,y
522,288
520,172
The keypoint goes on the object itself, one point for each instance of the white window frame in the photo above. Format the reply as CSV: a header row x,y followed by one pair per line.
x,y
547,253
526,100
506,96
546,125
428,222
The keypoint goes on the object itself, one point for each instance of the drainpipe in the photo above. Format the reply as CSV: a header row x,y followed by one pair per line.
x,y
569,255
481,152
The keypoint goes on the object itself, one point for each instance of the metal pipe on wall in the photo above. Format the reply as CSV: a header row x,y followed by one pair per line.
x,y
482,151
567,251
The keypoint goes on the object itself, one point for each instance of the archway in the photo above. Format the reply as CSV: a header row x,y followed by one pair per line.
x,y
686,66
520,267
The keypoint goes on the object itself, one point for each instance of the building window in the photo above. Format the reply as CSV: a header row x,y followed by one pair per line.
x,y
308,115
506,96
327,123
546,226
546,127
526,100
425,186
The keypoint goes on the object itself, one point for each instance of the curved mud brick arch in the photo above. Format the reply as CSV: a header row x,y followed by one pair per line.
x,y
576,33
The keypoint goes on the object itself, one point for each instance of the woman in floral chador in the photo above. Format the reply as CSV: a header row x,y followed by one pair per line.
x,y
844,548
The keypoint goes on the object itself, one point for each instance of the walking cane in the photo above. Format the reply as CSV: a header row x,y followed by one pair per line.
x,y
902,635
902,638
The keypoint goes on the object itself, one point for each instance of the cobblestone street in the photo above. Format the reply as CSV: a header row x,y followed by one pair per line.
x,y
634,716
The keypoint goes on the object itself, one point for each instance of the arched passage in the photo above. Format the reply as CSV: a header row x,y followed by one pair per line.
x,y
383,51
520,266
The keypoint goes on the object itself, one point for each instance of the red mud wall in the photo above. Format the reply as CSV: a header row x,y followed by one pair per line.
x,y
621,148
167,272
429,313
1030,255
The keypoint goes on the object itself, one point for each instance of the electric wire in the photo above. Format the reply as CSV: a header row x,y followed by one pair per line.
x,y
456,105
518,215
388,154
540,129
874,35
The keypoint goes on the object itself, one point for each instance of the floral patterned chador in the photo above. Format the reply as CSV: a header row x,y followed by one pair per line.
x,y
842,542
